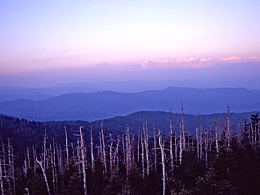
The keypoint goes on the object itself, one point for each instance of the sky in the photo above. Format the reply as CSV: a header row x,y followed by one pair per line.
x,y
51,42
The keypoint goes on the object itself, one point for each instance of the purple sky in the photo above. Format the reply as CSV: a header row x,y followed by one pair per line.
x,y
44,43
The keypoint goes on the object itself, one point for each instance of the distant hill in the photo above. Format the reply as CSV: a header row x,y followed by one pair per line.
x,y
161,121
107,104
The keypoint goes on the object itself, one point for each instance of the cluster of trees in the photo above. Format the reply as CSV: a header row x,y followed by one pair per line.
x,y
218,159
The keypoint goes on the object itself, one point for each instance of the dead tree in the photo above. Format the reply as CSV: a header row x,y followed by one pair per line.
x,y
67,147
216,132
142,155
138,146
123,148
28,158
53,170
182,127
92,150
206,146
1,178
198,143
110,153
44,149
181,145
171,150
161,144
146,138
228,127
128,152
175,146
83,161
116,154
200,138
103,148
34,160
44,175
132,146
154,146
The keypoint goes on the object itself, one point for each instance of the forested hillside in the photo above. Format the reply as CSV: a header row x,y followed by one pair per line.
x,y
222,156
93,106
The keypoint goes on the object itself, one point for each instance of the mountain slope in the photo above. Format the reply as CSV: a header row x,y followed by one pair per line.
x,y
106,104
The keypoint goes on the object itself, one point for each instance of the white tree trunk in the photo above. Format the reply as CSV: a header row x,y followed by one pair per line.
x,y
67,147
92,150
154,146
45,177
171,150
180,154
103,148
83,161
161,144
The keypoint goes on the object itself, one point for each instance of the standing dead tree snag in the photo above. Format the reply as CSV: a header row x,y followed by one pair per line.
x,y
171,150
67,147
146,138
103,149
92,150
83,161
44,175
161,144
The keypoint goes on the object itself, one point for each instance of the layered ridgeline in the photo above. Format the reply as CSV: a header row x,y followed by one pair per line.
x,y
107,104
78,157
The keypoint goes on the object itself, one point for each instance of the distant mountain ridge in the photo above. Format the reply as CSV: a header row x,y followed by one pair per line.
x,y
107,104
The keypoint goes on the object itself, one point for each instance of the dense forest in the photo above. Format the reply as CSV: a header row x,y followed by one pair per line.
x,y
78,157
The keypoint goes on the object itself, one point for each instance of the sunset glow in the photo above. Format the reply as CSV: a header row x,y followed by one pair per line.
x,y
119,36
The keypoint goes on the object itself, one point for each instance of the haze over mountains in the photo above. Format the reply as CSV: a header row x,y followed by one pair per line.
x,y
75,102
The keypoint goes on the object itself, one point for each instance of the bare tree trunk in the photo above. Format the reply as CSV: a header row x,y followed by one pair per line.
x,y
228,127
138,146
198,143
180,154
67,147
154,146
175,147
78,156
182,126
34,160
117,156
28,158
123,145
146,138
206,146
200,138
216,131
54,166
4,165
132,146
128,152
83,161
1,178
44,149
110,153
142,144
52,170
163,162
45,177
171,150
100,151
73,152
103,148
92,150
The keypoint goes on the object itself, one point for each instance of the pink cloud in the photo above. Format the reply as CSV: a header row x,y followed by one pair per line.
x,y
239,59
194,62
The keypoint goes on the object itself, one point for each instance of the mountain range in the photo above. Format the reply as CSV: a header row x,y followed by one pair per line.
x,y
106,104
